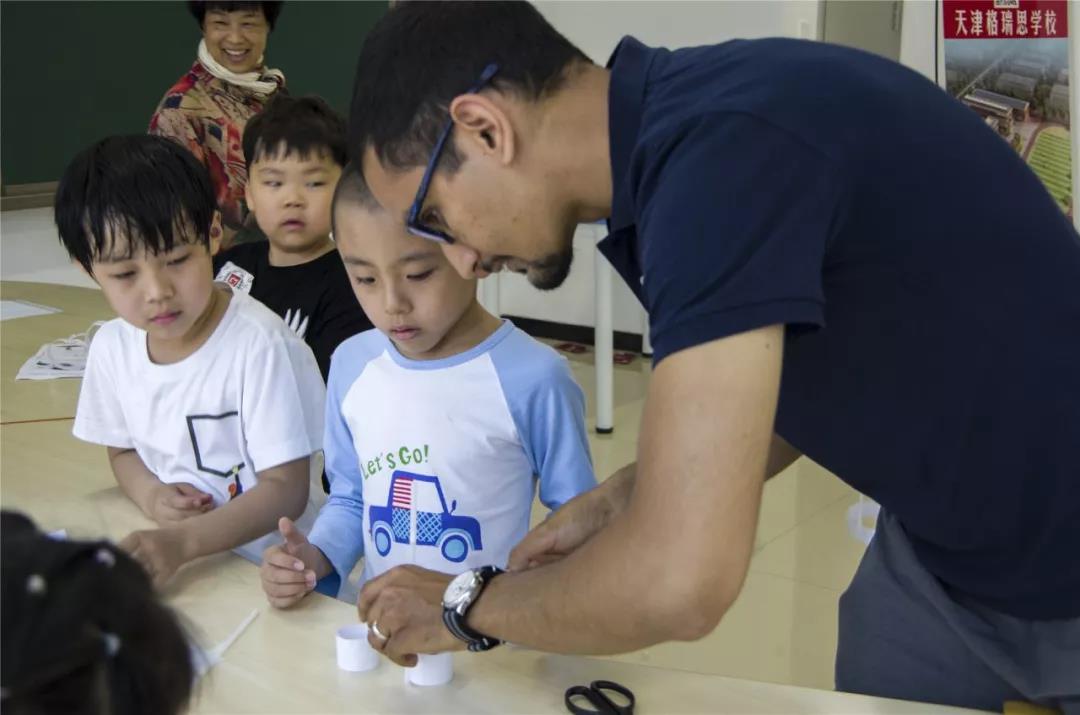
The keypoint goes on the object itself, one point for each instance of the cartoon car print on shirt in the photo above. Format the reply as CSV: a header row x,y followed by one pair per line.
x,y
453,535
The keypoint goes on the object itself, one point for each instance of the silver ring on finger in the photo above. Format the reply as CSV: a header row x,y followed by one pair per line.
x,y
378,633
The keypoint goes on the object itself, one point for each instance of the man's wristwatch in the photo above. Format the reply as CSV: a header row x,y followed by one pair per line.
x,y
459,597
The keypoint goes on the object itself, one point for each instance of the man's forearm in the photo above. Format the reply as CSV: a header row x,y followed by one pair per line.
x,y
253,514
598,600
620,487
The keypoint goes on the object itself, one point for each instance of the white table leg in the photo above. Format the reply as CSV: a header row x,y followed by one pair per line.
x,y
646,343
605,348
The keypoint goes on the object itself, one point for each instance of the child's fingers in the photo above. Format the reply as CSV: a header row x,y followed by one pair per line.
x,y
190,490
286,590
181,503
283,576
293,536
536,546
277,557
285,602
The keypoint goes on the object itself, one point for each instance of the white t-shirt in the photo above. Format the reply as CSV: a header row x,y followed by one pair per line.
x,y
248,399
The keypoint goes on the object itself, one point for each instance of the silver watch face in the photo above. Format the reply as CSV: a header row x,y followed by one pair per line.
x,y
461,590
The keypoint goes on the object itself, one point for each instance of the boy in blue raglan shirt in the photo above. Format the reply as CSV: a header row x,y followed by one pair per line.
x,y
439,423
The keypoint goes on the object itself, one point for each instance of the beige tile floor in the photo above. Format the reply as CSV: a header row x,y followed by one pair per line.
x,y
782,629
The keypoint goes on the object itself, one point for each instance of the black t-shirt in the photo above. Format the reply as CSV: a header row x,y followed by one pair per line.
x,y
929,283
314,298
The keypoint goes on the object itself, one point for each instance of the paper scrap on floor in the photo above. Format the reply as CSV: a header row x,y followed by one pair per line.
x,y
60,358
11,309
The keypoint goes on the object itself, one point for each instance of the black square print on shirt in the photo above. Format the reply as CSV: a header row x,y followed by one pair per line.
x,y
214,440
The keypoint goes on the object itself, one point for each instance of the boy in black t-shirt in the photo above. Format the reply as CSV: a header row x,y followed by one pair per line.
x,y
295,150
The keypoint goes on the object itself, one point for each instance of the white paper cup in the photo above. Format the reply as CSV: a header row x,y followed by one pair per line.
x,y
431,670
353,651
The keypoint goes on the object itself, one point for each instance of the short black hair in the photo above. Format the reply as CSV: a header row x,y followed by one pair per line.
x,y
146,190
351,189
304,125
420,55
84,631
270,10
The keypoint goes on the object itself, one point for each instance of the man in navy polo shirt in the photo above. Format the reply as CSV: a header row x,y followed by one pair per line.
x,y
838,260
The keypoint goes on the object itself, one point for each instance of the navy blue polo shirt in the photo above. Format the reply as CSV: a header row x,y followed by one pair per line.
x,y
929,285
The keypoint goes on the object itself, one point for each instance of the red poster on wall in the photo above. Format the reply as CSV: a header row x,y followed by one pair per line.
x,y
1006,19
1008,60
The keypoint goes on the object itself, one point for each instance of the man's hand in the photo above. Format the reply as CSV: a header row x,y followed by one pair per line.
x,y
160,551
574,523
405,605
290,570
172,503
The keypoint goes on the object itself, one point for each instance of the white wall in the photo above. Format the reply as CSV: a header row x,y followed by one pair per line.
x,y
596,26
918,37
870,25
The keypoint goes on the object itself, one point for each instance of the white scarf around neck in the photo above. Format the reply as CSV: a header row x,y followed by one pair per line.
x,y
265,82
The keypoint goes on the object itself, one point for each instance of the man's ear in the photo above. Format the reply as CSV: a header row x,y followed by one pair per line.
x,y
483,127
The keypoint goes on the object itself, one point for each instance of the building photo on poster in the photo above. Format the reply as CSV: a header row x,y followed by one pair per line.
x,y
1008,60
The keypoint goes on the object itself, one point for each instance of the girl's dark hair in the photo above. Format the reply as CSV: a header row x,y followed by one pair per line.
x,y
270,10
83,632
130,193
304,125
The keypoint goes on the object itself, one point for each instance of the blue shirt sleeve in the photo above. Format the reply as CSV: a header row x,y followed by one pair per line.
x,y
548,409
339,529
733,220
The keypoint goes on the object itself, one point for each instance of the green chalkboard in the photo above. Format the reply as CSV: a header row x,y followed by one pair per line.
x,y
72,72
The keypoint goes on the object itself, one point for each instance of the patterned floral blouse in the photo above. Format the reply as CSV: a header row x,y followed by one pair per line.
x,y
207,115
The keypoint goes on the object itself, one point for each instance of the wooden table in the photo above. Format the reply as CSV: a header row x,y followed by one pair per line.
x,y
20,338
284,662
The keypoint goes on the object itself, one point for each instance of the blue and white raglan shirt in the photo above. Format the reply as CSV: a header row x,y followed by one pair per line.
x,y
435,463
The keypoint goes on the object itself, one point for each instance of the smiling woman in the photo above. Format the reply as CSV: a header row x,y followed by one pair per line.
x,y
207,109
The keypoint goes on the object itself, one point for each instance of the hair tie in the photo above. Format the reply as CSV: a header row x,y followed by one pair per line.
x,y
105,557
36,585
112,643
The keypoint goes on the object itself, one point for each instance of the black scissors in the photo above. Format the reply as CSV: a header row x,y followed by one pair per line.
x,y
598,699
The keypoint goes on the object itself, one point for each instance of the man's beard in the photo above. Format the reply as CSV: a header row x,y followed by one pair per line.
x,y
546,274
550,272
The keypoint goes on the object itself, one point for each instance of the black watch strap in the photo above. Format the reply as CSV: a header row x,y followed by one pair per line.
x,y
455,622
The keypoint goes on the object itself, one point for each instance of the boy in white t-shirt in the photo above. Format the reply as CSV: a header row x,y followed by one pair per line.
x,y
209,406
440,423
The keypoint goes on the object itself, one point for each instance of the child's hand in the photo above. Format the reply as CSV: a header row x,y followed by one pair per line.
x,y
289,571
160,551
172,503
